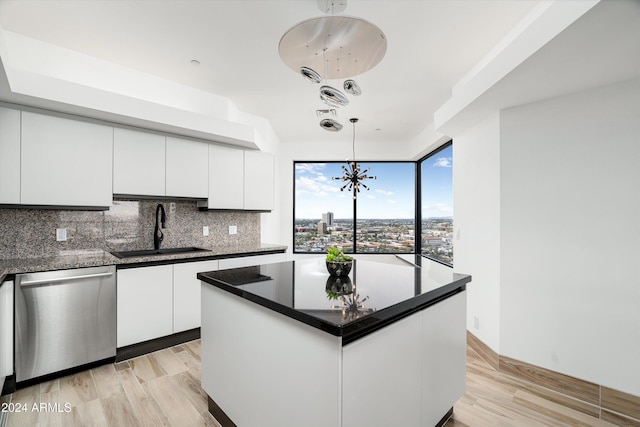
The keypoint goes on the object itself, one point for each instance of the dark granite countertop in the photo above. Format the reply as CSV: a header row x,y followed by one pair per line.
x,y
385,290
92,258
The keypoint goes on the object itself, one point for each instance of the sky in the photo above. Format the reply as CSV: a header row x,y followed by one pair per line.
x,y
437,184
391,194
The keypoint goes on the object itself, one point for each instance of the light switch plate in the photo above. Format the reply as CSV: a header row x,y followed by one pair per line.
x,y
233,229
205,231
61,234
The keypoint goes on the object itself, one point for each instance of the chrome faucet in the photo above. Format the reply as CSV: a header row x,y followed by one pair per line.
x,y
157,233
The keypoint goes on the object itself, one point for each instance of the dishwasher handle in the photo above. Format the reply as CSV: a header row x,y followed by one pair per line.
x,y
28,283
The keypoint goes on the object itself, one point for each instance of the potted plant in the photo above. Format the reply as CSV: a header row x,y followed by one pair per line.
x,y
338,264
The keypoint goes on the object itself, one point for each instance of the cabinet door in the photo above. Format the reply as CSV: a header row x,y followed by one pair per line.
x,y
186,294
6,330
138,163
387,360
187,168
258,181
9,156
145,304
444,352
226,178
65,162
251,260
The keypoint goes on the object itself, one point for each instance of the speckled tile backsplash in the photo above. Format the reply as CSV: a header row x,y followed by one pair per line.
x,y
127,225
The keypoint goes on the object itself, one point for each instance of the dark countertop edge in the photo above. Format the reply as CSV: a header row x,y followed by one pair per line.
x,y
360,327
109,259
202,257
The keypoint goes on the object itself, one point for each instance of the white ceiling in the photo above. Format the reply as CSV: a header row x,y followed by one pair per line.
x,y
431,46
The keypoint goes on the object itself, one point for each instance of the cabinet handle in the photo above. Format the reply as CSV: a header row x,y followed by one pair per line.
x,y
63,279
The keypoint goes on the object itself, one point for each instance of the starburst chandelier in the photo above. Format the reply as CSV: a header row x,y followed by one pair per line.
x,y
353,177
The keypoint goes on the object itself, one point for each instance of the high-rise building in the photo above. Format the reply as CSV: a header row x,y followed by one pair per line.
x,y
328,218
322,227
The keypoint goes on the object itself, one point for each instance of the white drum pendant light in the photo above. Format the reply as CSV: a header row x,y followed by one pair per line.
x,y
340,47
349,45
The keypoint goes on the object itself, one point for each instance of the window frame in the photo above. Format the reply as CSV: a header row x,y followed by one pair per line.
x,y
419,163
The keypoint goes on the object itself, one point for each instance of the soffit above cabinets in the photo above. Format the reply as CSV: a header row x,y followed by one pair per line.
x,y
42,75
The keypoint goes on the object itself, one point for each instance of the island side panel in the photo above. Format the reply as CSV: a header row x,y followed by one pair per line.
x,y
265,369
381,377
444,353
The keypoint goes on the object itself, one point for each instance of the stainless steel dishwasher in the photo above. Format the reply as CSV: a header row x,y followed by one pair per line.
x,y
64,319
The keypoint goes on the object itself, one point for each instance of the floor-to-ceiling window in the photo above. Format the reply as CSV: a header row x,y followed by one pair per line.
x,y
436,204
380,220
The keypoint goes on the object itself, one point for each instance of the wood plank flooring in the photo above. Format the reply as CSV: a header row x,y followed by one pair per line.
x,y
495,398
163,389
157,389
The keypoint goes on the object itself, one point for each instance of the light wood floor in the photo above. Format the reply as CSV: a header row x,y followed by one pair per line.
x,y
497,399
163,389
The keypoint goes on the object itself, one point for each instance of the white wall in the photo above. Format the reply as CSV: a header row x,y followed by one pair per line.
x,y
570,235
476,246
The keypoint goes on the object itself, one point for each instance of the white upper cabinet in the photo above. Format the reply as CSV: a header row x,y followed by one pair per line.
x,y
65,162
149,164
226,178
138,163
240,180
258,181
9,156
187,168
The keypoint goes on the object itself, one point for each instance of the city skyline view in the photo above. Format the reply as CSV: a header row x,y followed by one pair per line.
x,y
385,214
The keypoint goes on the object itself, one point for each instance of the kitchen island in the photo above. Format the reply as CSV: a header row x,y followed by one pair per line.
x,y
285,344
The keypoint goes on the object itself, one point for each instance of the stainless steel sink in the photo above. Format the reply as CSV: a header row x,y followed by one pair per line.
x,y
153,252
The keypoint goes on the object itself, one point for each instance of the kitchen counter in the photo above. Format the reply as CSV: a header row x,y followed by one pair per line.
x,y
94,258
303,290
395,356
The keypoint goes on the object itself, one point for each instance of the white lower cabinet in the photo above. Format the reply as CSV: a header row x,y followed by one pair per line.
x,y
250,260
186,293
444,353
427,375
145,304
364,378
6,331
157,301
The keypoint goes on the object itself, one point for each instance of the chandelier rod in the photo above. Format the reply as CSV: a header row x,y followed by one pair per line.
x,y
354,120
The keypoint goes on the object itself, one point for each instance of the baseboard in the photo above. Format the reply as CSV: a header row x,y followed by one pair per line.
x,y
9,385
217,413
598,401
135,350
483,350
